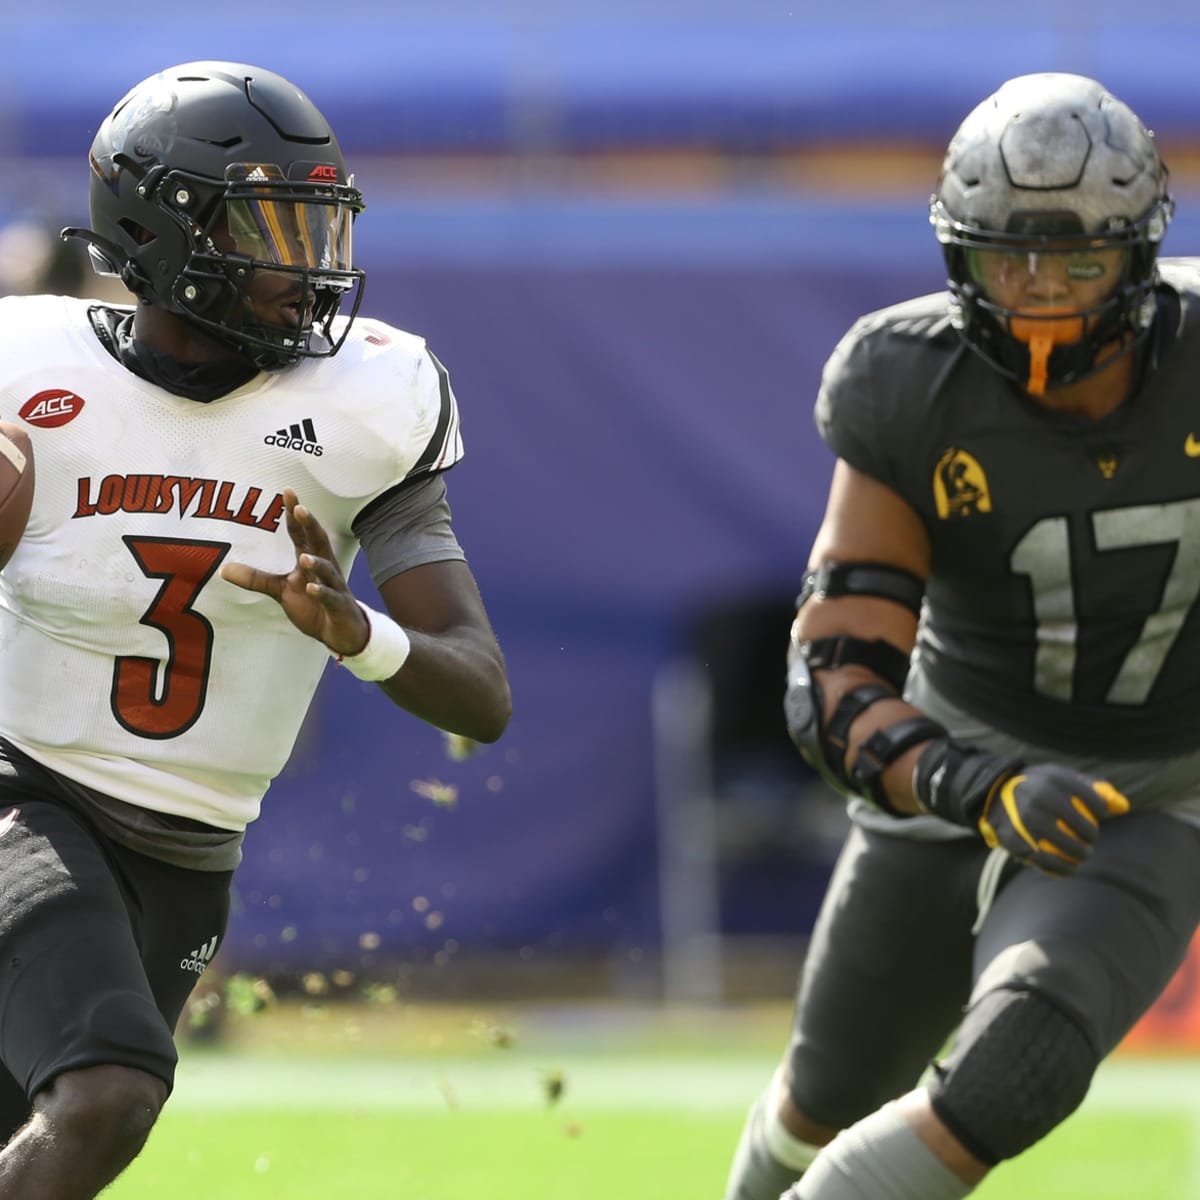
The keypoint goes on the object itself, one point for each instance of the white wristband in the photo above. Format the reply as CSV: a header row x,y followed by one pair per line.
x,y
386,650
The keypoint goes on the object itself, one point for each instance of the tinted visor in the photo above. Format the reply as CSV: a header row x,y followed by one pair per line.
x,y
273,221
291,233
1098,266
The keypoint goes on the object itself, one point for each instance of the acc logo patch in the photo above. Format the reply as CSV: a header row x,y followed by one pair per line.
x,y
51,408
960,486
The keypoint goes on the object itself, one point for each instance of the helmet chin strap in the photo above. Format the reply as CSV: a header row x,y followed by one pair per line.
x,y
1051,327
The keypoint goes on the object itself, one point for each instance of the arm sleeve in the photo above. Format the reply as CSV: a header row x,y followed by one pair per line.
x,y
849,414
407,527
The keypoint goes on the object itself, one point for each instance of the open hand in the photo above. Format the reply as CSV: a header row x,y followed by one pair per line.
x,y
314,593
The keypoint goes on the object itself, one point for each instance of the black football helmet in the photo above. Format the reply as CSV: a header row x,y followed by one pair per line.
x,y
209,172
1051,164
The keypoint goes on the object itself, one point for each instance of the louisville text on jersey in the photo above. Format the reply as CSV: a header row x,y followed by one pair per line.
x,y
209,498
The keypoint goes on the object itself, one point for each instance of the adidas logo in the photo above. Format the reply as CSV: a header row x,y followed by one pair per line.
x,y
302,436
199,959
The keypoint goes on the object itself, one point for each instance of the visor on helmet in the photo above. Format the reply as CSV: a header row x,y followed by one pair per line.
x,y
270,222
1005,272
1047,295
1045,301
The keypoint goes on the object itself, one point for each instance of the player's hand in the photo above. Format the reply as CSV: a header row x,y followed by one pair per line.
x,y
1049,816
314,593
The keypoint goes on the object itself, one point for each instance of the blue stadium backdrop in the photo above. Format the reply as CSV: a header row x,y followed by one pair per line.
x,y
634,290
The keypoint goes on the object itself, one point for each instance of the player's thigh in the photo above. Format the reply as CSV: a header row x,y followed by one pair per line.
x,y
73,992
184,916
1103,943
887,972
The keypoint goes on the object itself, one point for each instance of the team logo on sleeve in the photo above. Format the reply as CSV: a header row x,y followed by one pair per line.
x,y
960,487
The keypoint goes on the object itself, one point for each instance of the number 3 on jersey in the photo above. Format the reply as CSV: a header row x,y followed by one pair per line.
x,y
1044,556
156,699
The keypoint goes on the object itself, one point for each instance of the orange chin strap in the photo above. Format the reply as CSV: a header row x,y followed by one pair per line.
x,y
1051,327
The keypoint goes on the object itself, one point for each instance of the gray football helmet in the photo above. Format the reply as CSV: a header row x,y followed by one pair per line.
x,y
1052,164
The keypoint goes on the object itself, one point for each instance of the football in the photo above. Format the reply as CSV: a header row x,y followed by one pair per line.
x,y
16,486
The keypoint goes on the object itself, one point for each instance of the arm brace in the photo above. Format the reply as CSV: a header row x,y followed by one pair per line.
x,y
882,580
823,744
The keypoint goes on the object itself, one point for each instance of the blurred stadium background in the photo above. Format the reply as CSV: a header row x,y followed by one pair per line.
x,y
633,230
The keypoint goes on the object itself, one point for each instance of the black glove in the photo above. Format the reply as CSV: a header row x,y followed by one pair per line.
x,y
1044,815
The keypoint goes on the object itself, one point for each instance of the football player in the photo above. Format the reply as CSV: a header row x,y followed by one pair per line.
x,y
1017,495
209,461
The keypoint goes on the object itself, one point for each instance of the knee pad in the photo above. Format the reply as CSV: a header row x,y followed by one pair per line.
x,y
1018,1068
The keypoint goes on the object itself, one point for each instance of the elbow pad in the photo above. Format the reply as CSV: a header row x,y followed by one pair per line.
x,y
823,743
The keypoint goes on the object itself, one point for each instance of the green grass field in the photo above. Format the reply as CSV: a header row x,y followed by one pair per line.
x,y
452,1106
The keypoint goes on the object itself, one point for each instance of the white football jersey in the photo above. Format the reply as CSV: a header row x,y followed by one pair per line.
x,y
126,662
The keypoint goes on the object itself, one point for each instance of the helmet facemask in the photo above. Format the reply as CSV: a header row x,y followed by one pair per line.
x,y
1052,343
1053,173
298,233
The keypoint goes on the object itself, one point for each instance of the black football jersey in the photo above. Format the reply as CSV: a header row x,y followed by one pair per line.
x,y
1062,601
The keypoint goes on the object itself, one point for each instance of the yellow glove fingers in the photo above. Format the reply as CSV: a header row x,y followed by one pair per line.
x,y
1086,834
1048,817
1057,825
1051,848
1116,802
1008,798
985,824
